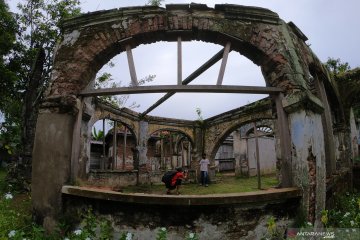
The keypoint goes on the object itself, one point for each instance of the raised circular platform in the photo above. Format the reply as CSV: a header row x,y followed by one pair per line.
x,y
262,196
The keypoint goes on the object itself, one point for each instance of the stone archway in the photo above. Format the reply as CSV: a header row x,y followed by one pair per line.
x,y
93,39
163,149
218,128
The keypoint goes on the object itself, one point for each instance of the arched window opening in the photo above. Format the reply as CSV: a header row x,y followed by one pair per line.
x,y
168,149
111,151
237,153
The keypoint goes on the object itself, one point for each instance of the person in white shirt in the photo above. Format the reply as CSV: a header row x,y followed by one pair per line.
x,y
204,169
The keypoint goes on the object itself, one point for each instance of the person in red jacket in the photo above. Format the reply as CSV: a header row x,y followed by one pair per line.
x,y
176,181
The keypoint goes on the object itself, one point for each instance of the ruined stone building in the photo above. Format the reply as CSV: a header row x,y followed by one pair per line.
x,y
166,150
307,120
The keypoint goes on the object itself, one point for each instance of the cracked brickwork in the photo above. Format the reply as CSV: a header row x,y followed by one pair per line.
x,y
93,39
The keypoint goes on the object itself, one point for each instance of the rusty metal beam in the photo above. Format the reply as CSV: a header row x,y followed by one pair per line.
x,y
181,88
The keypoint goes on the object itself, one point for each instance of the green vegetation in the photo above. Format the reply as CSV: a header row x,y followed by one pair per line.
x,y
155,2
346,213
16,222
15,213
341,222
97,135
341,72
28,39
227,184
335,66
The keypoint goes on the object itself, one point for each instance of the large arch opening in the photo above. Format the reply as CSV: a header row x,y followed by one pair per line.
x,y
106,43
157,62
236,62
90,41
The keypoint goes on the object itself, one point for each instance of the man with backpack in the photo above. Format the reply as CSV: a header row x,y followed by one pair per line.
x,y
173,180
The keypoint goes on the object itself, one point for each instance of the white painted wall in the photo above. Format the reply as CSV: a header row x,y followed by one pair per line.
x,y
267,155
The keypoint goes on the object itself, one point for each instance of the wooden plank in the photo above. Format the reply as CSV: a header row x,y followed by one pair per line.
x,y
124,146
179,70
114,161
102,165
181,88
257,155
130,58
223,64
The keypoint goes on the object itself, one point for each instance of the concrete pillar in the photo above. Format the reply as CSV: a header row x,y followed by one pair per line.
x,y
240,154
307,137
142,146
308,151
51,167
143,174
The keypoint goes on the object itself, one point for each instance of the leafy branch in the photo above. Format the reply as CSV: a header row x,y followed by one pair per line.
x,y
105,80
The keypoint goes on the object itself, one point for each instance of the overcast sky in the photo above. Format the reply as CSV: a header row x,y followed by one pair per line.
x,y
331,26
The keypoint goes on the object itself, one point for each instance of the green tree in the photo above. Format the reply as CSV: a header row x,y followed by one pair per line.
x,y
105,80
9,110
97,135
40,22
35,31
155,2
335,66
348,83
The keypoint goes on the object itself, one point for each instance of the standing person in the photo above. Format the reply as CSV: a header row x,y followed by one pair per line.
x,y
204,169
175,181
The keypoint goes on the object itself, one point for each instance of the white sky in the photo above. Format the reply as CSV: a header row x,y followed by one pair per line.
x,y
330,25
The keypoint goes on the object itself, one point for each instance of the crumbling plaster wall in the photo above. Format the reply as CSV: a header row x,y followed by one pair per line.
x,y
307,133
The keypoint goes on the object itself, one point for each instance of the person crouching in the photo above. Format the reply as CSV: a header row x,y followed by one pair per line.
x,y
176,181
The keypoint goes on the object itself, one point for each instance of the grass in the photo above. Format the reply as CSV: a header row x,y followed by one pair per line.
x,y
226,184
15,213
